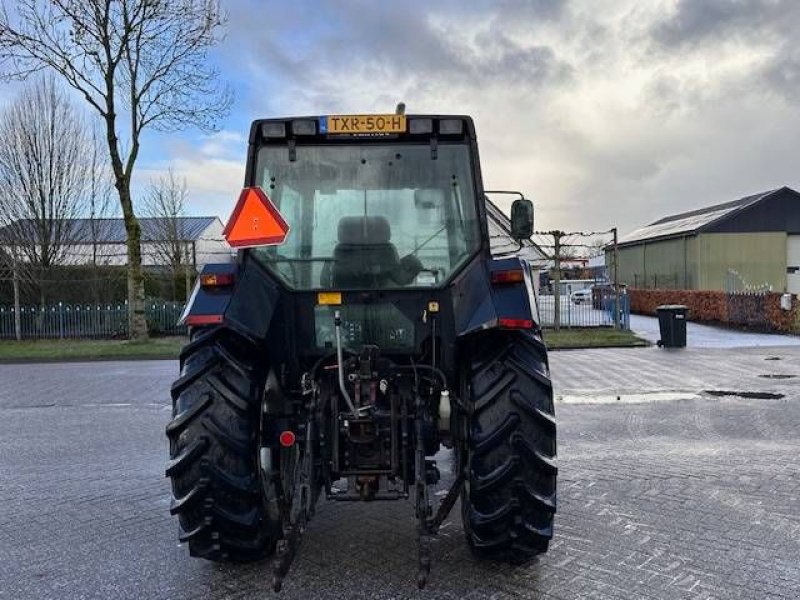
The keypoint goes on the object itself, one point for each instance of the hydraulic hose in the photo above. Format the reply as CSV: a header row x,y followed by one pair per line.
x,y
337,322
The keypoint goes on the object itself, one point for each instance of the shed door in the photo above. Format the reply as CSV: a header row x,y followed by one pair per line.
x,y
793,264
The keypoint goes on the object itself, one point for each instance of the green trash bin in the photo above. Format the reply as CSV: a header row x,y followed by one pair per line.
x,y
672,324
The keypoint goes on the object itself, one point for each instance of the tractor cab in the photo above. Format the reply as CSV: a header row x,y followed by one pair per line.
x,y
382,211
377,211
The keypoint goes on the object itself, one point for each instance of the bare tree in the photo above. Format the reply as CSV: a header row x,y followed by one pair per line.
x,y
165,204
98,226
99,206
44,173
597,246
146,59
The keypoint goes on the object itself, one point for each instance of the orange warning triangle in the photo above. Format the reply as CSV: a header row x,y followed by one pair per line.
x,y
255,221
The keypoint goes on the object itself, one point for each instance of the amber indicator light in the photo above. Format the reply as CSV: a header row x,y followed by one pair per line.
x,y
216,279
513,276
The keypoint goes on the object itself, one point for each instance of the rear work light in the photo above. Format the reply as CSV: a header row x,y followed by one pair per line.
x,y
216,279
304,127
273,129
451,127
507,323
420,126
511,276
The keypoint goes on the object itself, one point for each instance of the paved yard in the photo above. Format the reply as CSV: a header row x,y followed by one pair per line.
x,y
666,499
700,335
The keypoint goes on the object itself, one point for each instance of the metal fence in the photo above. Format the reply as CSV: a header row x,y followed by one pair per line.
x,y
592,310
88,320
736,284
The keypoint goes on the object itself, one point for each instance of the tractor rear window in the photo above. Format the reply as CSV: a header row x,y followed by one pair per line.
x,y
370,216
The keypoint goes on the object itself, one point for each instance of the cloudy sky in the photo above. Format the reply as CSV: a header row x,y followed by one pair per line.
x,y
604,112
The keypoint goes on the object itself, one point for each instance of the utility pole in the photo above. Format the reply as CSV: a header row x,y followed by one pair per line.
x,y
186,278
557,279
616,281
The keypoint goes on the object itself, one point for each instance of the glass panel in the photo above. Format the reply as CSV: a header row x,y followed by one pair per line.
x,y
370,217
379,324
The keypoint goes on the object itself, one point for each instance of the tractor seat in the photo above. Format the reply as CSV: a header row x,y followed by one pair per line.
x,y
364,256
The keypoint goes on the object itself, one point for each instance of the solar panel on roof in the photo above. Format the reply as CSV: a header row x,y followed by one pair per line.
x,y
112,230
689,222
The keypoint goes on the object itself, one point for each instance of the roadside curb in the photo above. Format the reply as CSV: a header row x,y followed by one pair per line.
x,y
83,359
599,347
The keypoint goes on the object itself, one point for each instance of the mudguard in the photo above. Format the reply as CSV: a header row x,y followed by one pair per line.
x,y
479,304
247,305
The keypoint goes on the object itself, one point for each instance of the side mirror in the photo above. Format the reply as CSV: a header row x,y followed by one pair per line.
x,y
521,219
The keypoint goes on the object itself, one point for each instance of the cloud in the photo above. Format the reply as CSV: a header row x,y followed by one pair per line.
x,y
766,29
212,165
606,112
699,21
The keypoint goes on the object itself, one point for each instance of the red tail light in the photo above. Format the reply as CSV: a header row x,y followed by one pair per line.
x,y
507,323
195,320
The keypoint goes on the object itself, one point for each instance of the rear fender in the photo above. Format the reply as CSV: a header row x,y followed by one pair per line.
x,y
247,305
514,302
479,304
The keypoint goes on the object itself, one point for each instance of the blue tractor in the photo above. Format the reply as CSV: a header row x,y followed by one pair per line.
x,y
363,325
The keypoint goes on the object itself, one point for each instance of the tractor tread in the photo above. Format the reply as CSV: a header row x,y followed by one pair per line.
x,y
545,419
183,460
187,379
228,394
241,445
497,436
492,391
248,519
199,340
188,499
510,500
213,439
497,476
179,423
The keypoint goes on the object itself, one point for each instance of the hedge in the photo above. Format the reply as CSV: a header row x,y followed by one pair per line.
x,y
754,311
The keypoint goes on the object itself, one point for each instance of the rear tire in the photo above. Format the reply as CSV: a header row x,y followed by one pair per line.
x,y
510,498
213,440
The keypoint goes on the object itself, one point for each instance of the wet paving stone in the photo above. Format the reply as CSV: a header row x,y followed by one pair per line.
x,y
693,498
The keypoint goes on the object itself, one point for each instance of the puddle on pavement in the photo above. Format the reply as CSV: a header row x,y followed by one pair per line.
x,y
777,376
647,397
773,358
747,395
642,398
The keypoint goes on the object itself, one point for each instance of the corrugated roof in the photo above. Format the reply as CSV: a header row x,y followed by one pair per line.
x,y
690,222
112,231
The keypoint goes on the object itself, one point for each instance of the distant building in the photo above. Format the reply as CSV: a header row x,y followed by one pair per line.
x,y
753,242
104,240
597,267
202,238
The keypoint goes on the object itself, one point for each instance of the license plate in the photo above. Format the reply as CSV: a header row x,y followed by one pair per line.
x,y
354,124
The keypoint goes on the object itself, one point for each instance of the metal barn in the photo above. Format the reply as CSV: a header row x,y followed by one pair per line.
x,y
748,244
